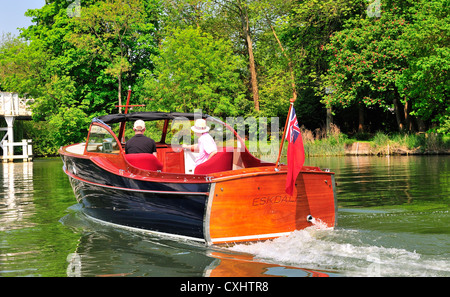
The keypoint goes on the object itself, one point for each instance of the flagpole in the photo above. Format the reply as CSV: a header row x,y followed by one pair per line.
x,y
284,132
122,125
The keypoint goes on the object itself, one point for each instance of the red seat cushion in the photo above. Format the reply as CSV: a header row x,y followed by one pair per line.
x,y
222,161
144,161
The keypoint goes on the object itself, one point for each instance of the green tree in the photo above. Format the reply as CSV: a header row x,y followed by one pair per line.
x,y
237,15
366,59
184,13
21,65
196,71
397,61
308,28
120,32
276,77
227,19
426,82
71,74
65,87
251,26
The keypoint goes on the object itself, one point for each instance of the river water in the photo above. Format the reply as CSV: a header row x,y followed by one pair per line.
x,y
393,220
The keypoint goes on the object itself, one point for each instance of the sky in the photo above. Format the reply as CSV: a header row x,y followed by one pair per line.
x,y
12,14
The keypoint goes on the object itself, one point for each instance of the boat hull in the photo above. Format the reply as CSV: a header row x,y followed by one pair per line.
x,y
158,207
235,206
180,215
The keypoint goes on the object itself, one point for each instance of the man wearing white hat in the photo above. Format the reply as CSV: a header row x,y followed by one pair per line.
x,y
140,143
206,145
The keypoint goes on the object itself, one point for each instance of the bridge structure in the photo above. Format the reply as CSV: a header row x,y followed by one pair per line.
x,y
13,108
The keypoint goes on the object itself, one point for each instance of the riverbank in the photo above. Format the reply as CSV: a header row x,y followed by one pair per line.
x,y
339,144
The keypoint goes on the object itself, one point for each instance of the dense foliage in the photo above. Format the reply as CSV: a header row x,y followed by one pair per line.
x,y
399,60
204,75
377,65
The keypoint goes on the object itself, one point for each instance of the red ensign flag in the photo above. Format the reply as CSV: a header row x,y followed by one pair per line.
x,y
295,153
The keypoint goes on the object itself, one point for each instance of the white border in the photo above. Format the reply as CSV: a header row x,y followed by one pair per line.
x,y
207,216
249,237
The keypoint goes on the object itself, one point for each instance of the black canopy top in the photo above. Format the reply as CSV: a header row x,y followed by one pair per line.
x,y
147,116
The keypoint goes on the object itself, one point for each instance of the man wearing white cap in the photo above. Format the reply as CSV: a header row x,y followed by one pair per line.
x,y
140,143
206,145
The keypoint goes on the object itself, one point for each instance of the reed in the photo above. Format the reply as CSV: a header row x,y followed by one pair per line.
x,y
321,142
421,143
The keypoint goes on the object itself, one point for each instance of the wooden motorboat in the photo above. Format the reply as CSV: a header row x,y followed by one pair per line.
x,y
233,197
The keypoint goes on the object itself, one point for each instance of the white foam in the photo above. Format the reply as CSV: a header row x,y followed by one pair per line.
x,y
342,251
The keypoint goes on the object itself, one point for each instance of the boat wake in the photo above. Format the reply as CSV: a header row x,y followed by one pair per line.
x,y
342,252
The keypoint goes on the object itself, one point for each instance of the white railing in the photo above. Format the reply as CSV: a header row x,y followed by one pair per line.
x,y
8,150
12,105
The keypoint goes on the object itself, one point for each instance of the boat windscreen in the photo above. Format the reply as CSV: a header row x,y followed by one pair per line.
x,y
148,116
177,132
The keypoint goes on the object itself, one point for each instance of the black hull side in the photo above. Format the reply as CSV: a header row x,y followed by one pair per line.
x,y
173,214
162,207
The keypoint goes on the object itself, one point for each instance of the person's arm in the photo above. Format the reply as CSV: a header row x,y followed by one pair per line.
x,y
193,147
212,154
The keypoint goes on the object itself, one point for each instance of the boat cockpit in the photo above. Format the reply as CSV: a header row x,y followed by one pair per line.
x,y
108,134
